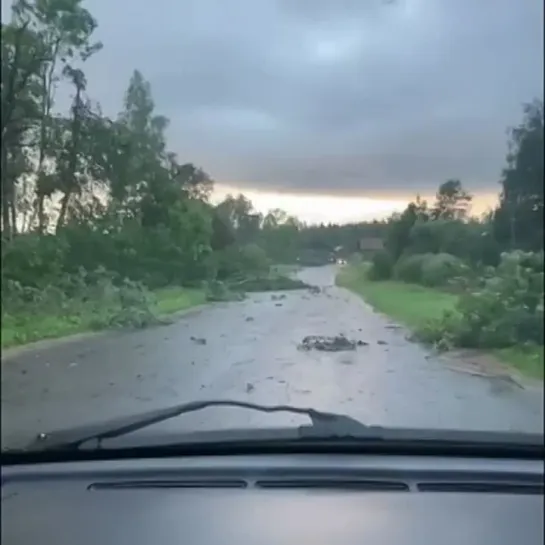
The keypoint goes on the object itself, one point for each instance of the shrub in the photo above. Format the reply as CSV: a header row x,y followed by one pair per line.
x,y
240,261
254,260
33,260
506,310
409,268
98,295
219,291
440,269
381,266
134,308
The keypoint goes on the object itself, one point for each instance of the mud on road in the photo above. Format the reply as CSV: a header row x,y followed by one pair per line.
x,y
248,350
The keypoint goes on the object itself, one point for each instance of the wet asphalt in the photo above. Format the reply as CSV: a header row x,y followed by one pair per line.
x,y
250,352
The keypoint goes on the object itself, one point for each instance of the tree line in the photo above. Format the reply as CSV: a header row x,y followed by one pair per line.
x,y
494,264
516,222
81,189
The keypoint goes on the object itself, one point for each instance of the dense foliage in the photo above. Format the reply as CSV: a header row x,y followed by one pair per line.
x,y
495,263
505,310
96,210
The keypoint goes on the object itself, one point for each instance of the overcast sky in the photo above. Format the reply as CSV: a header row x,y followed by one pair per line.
x,y
345,97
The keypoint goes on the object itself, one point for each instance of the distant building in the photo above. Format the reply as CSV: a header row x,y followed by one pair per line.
x,y
369,245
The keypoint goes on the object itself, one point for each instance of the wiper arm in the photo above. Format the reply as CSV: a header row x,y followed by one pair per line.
x,y
323,423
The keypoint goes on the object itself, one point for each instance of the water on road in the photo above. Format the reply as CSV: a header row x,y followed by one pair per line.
x,y
250,352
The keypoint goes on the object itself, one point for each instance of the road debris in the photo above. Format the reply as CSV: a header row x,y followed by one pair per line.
x,y
198,340
249,387
278,297
249,319
329,344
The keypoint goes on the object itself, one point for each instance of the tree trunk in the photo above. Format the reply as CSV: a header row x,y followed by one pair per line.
x,y
64,207
6,224
13,211
41,213
47,85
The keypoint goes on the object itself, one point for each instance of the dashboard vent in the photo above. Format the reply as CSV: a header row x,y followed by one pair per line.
x,y
482,487
331,484
187,483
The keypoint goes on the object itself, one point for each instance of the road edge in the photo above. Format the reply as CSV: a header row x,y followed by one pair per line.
x,y
501,368
44,344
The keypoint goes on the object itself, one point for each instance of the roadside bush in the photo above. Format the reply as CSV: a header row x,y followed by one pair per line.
x,y
254,260
382,266
433,270
440,269
471,240
409,268
506,310
97,296
33,260
132,307
240,261
218,291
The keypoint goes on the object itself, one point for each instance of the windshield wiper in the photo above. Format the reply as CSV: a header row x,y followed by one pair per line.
x,y
333,428
324,424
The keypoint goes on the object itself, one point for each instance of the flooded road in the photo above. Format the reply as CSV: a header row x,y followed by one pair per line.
x,y
250,352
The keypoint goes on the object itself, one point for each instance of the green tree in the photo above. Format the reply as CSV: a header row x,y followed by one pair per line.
x,y
22,57
518,221
452,201
398,236
239,218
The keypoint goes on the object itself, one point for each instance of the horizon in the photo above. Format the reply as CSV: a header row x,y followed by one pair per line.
x,y
316,209
313,107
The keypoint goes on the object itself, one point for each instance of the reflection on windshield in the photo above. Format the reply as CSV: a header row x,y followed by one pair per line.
x,y
293,213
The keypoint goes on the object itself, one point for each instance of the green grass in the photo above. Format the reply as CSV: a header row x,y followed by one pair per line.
x,y
23,329
174,299
413,306
408,304
529,361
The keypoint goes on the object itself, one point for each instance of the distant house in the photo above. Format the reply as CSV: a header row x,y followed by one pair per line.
x,y
369,245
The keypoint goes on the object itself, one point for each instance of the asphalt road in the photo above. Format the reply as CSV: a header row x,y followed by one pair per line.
x,y
251,354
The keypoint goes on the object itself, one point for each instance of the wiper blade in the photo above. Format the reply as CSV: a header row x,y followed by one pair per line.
x,y
323,424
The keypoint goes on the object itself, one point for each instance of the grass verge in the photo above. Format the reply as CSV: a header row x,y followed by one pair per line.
x,y
413,306
529,362
23,329
409,304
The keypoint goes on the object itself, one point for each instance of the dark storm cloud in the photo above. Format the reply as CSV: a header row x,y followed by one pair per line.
x,y
330,96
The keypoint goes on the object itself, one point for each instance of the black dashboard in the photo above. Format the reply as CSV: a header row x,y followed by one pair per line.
x,y
275,499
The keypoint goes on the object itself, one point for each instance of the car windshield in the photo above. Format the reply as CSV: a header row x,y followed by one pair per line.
x,y
326,204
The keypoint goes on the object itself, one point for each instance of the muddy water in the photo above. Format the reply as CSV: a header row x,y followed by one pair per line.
x,y
251,352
